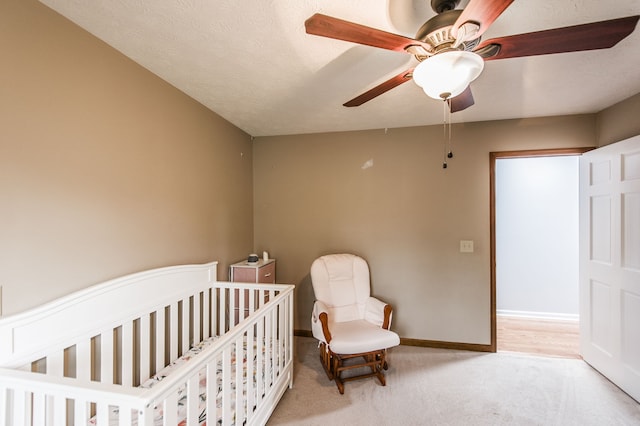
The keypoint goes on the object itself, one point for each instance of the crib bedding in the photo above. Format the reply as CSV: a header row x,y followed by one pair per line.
x,y
182,394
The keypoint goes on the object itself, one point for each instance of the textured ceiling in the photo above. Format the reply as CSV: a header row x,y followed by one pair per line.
x,y
252,62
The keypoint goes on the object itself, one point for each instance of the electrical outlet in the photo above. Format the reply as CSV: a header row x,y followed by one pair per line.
x,y
466,246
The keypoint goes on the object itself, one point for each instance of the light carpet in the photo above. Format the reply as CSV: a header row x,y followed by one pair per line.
x,y
445,387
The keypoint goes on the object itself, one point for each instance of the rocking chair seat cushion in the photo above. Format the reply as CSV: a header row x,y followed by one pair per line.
x,y
359,336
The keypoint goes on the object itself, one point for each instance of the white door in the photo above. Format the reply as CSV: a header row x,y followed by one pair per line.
x,y
610,262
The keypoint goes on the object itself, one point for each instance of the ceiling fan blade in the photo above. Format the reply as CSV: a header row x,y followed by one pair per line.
x,y
395,81
596,35
463,101
481,12
327,26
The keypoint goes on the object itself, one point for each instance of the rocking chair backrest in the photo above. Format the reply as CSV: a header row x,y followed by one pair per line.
x,y
341,282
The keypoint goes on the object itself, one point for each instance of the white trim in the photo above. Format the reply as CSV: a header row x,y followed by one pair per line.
x,y
538,315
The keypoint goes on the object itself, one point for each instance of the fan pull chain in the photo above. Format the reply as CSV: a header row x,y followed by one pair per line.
x,y
446,137
447,152
444,134
450,153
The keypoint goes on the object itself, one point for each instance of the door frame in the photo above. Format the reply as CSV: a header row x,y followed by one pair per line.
x,y
493,156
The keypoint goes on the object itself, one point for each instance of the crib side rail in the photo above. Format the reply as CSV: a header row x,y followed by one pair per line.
x,y
32,398
246,370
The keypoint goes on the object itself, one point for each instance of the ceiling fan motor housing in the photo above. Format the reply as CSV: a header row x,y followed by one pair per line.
x,y
437,33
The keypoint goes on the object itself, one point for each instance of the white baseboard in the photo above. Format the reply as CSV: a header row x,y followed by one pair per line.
x,y
538,315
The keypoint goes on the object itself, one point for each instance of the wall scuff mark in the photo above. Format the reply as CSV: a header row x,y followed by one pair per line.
x,y
367,164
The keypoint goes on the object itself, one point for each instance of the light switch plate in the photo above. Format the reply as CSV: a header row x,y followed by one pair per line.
x,y
466,246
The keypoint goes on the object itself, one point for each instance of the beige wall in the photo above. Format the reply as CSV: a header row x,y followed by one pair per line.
x,y
405,214
105,169
620,121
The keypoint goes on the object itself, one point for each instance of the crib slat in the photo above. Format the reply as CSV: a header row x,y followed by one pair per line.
x,y
280,338
106,357
4,403
288,329
173,332
145,417
102,414
260,371
234,312
274,350
124,416
83,359
186,313
196,319
55,367
213,306
239,349
241,306
127,353
80,411
226,386
145,348
160,340
20,408
193,398
212,391
55,363
29,407
59,410
268,368
250,365
252,301
4,391
206,315
222,323
170,408
38,407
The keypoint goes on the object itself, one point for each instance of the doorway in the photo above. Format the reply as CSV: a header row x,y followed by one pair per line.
x,y
535,240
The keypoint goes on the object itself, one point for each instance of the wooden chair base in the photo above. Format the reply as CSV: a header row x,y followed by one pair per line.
x,y
334,365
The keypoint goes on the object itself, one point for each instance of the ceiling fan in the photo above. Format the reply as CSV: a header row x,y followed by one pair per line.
x,y
449,45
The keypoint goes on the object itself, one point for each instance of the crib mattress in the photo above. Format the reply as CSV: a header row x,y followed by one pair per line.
x,y
182,394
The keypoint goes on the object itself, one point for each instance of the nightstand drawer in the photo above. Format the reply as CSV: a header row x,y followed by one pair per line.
x,y
267,274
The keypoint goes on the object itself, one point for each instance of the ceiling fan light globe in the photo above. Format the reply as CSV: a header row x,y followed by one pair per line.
x,y
448,74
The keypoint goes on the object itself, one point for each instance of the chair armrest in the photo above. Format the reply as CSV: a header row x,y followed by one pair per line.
x,y
320,321
379,313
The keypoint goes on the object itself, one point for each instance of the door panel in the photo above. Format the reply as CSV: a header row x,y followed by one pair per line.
x,y
610,262
601,229
631,224
601,316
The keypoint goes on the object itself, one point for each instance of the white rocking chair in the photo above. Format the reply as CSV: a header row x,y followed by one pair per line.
x,y
347,321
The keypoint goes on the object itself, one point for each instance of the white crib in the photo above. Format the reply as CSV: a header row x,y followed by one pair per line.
x,y
100,355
